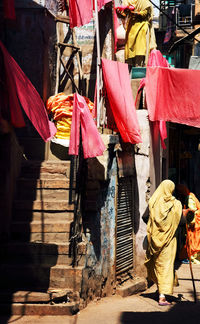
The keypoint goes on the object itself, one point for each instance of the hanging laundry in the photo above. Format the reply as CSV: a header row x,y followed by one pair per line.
x,y
80,12
60,107
91,140
156,59
21,93
101,3
9,9
172,95
118,88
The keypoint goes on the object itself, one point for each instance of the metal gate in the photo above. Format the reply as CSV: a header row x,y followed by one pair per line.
x,y
124,229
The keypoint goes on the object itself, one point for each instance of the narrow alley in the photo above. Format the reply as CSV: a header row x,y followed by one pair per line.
x,y
140,308
99,161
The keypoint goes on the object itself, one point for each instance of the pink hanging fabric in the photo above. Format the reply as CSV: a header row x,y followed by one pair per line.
x,y
23,94
163,133
101,3
91,140
9,9
115,26
80,12
118,87
172,95
156,59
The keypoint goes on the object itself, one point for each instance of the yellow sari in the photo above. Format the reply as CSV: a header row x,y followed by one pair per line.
x,y
165,213
140,37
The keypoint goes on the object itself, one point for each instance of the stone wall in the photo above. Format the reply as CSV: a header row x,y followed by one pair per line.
x,y
10,164
99,221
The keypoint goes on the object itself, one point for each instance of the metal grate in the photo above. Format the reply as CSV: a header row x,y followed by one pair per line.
x,y
124,248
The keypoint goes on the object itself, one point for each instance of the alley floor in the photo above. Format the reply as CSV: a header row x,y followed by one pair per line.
x,y
137,309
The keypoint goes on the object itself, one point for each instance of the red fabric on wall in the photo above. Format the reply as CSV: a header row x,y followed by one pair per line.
x,y
80,12
118,87
91,140
23,94
172,95
9,9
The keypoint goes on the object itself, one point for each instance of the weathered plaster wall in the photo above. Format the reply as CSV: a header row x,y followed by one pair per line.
x,y
85,38
142,164
34,34
30,40
99,228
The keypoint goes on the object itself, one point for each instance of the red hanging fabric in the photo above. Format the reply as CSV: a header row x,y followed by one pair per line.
x,y
115,26
91,140
118,87
172,95
80,12
23,94
9,9
156,59
101,3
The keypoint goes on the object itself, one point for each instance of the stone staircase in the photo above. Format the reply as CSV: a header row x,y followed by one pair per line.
x,y
36,270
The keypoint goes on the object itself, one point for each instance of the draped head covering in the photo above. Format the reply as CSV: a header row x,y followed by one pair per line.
x,y
139,5
164,216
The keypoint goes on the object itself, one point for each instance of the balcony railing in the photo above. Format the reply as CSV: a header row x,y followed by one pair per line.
x,y
184,16
181,14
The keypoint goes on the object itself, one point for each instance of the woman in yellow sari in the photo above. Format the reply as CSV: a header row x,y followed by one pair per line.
x,y
164,216
140,36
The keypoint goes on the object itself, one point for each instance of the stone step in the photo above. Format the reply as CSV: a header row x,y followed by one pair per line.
x,y
50,205
38,253
42,227
51,165
42,216
26,248
45,260
40,275
44,183
45,232
37,168
45,194
70,308
32,296
46,176
41,237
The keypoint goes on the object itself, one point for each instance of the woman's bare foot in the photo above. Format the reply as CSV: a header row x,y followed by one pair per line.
x,y
163,302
